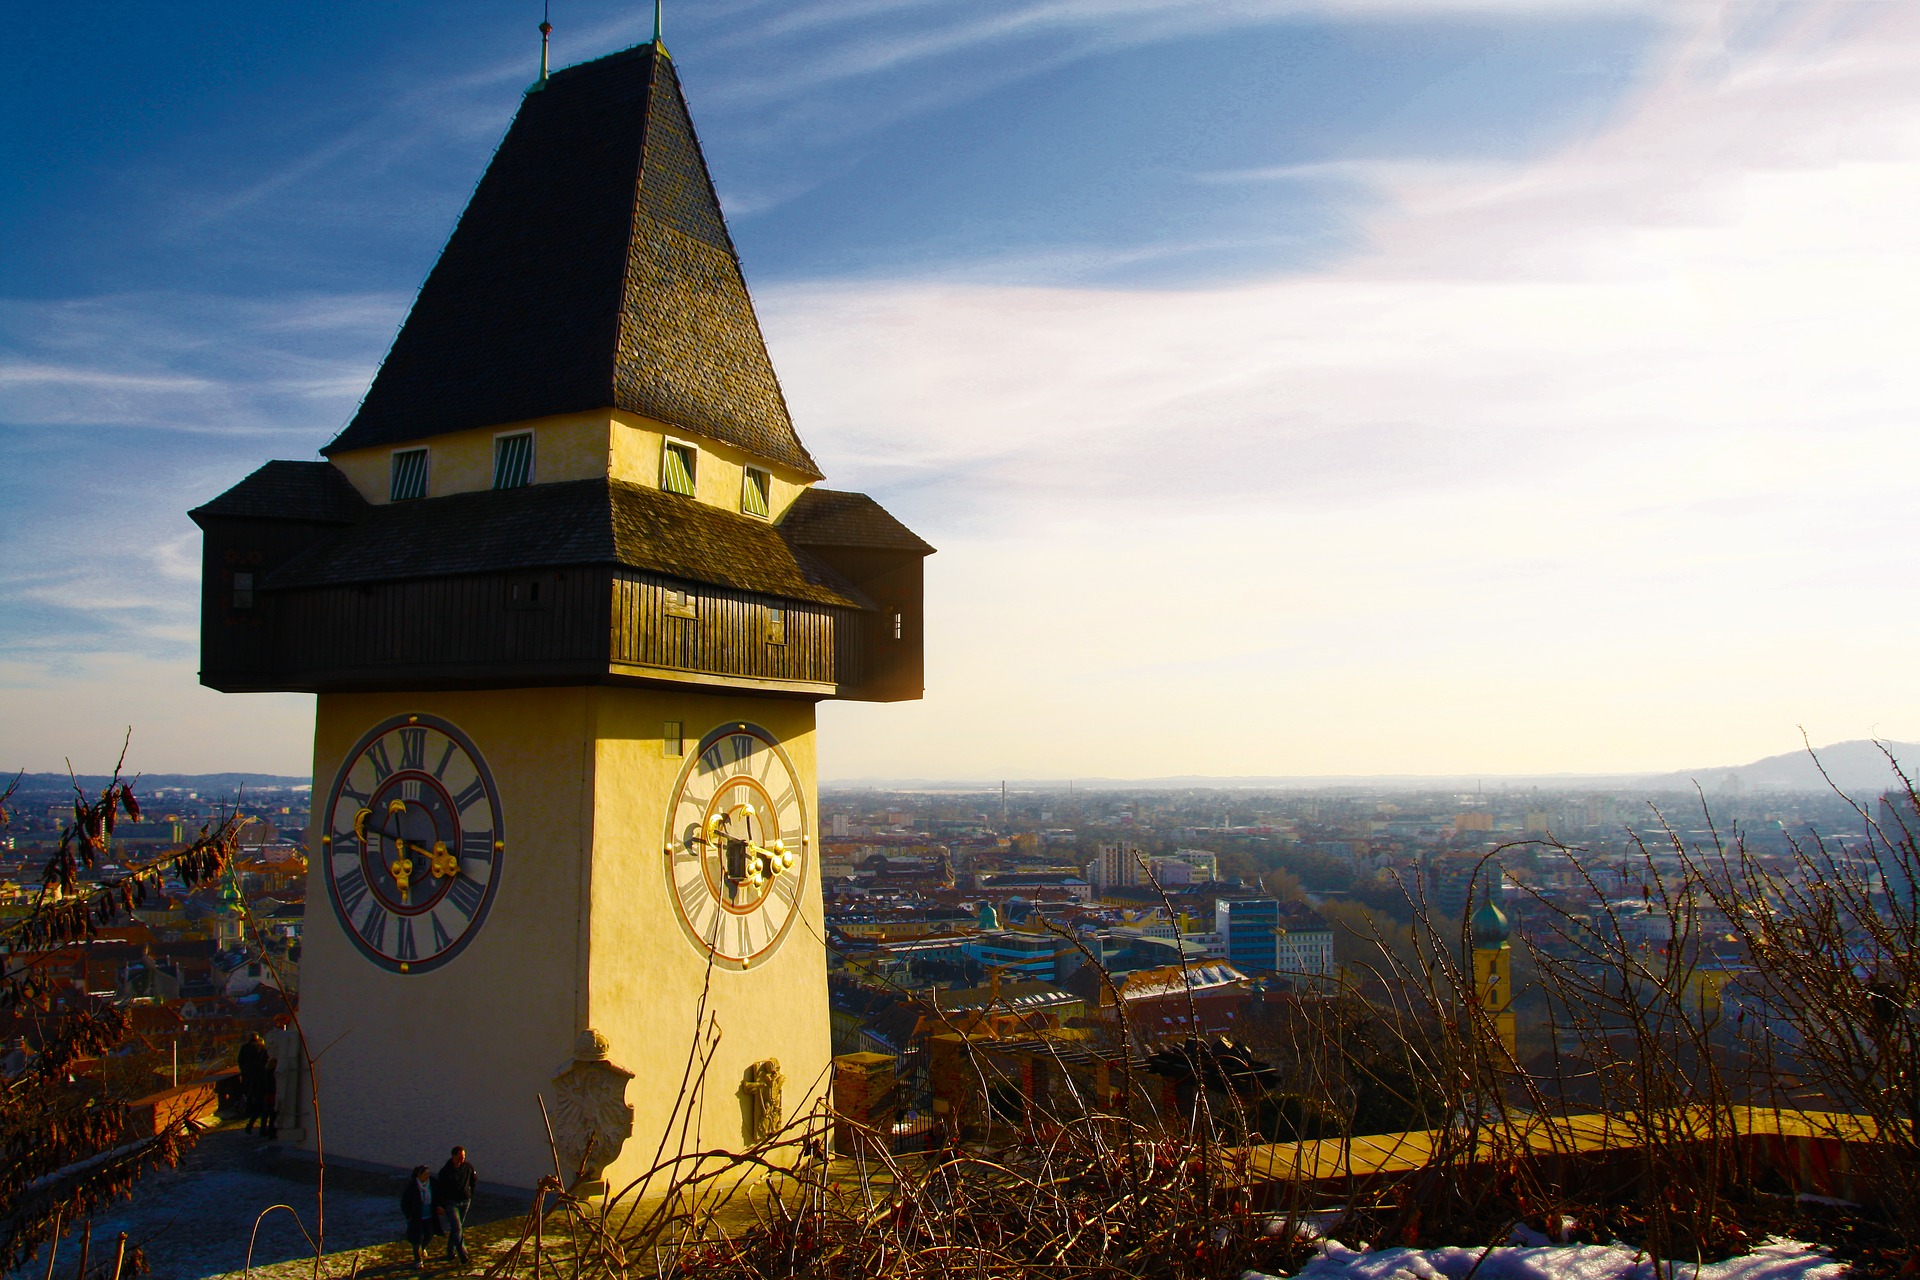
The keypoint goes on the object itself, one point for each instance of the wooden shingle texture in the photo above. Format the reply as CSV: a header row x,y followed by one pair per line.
x,y
592,269
573,523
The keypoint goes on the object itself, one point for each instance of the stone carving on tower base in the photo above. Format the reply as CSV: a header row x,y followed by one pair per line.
x,y
592,1119
761,1091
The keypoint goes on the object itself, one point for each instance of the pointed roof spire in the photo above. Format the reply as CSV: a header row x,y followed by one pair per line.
x,y
658,43
592,269
546,30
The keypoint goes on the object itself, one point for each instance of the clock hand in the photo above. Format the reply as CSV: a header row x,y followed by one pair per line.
x,y
402,870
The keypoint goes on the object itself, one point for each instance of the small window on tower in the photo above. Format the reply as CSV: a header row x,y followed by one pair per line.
x,y
679,465
678,603
899,625
513,460
243,591
756,493
409,475
776,626
670,739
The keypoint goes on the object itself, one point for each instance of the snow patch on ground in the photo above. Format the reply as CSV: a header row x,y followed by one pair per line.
x,y
1775,1260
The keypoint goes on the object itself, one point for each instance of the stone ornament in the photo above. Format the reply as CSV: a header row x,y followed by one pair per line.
x,y
763,1088
592,1119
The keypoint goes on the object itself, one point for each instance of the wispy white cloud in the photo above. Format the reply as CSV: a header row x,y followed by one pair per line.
x,y
1591,462
190,363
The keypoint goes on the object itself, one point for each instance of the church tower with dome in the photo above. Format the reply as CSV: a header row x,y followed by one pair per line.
x,y
1493,971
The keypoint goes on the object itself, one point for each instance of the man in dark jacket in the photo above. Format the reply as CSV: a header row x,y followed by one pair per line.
x,y
453,1190
416,1205
255,1076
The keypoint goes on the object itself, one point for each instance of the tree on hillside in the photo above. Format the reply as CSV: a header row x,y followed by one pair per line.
x,y
68,1143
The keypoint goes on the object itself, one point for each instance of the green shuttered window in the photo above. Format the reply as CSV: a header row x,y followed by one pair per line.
x,y
679,464
409,475
756,493
513,461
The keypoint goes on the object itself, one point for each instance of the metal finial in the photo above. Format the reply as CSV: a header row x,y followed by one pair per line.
x,y
656,27
546,31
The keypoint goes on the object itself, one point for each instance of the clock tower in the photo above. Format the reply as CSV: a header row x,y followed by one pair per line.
x,y
568,592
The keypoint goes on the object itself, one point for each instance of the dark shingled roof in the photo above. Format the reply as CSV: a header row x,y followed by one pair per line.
x,y
313,492
834,518
576,522
592,269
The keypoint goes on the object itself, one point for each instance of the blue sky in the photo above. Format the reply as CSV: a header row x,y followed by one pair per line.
x,y
1367,385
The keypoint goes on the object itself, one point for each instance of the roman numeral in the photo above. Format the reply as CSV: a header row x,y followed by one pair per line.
x,y
352,888
710,760
743,936
410,789
785,800
441,938
693,888
742,746
404,947
699,911
359,798
373,926
472,792
376,756
413,748
786,887
440,770
477,844
465,895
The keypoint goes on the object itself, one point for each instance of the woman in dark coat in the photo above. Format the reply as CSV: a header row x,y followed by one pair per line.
x,y
416,1202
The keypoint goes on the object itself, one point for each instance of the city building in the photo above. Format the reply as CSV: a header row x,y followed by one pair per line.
x,y
1116,866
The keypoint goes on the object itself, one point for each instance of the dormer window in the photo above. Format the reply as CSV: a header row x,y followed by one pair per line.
x,y
679,466
409,475
513,460
756,492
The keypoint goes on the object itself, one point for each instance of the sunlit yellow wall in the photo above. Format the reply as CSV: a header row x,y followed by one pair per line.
x,y
417,1062
570,447
646,978
581,933
636,449
580,446
1493,982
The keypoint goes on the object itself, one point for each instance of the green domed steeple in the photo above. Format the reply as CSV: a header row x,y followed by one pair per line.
x,y
1490,928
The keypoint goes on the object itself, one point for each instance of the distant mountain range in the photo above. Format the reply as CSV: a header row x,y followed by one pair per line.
x,y
207,784
1859,768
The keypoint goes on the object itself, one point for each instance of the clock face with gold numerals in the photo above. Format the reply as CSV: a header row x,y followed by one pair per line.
x,y
413,843
736,848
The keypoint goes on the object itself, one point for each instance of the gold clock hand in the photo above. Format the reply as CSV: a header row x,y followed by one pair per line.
x,y
402,869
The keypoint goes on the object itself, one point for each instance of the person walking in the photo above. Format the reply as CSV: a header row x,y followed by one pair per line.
x,y
254,1075
416,1205
455,1187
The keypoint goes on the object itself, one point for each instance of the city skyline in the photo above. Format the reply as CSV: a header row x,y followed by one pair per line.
x,y
1510,388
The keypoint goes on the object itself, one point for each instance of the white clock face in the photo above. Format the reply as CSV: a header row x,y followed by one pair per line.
x,y
736,847
413,843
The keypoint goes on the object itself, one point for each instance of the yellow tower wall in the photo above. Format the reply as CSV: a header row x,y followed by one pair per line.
x,y
414,1063
647,980
576,446
581,934
1493,984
